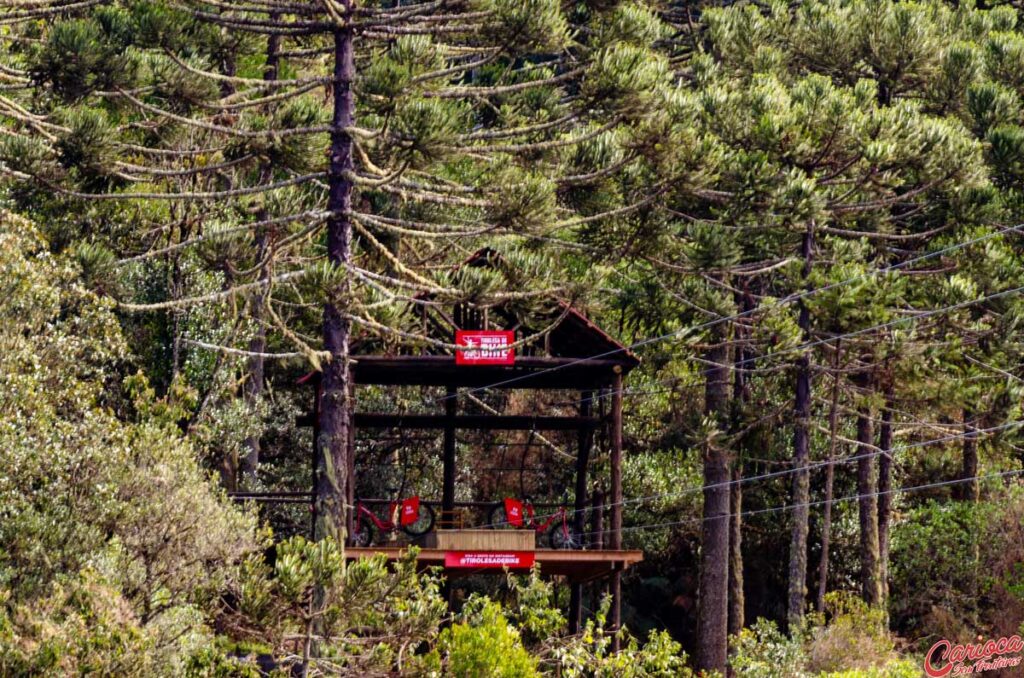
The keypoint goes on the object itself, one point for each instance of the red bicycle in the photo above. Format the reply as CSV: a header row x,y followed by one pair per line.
x,y
409,515
557,530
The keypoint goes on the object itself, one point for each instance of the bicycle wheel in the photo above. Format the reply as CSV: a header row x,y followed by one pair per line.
x,y
563,536
424,522
363,534
497,520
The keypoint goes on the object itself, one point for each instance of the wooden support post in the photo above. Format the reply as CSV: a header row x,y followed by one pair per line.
x,y
584,439
616,502
483,422
316,454
597,541
575,607
350,476
597,521
448,462
579,519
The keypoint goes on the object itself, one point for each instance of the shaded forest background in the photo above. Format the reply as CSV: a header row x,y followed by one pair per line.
x,y
805,219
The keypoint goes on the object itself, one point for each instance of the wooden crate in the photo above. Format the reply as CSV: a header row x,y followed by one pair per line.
x,y
481,540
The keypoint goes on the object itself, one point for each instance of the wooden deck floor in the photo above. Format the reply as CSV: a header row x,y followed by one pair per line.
x,y
579,566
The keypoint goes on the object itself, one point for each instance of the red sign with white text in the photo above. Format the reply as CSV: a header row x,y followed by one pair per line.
x,y
514,512
514,560
485,347
410,511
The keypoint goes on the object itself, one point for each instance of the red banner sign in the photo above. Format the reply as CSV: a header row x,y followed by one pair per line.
x,y
514,512
514,560
485,347
410,511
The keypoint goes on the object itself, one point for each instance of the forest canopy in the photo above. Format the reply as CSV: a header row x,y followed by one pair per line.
x,y
798,227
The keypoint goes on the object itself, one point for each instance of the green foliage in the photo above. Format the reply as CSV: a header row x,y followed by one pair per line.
x,y
849,639
86,627
96,512
623,77
369,613
424,130
906,668
589,653
483,643
654,164
856,636
526,25
528,201
81,56
936,543
631,22
763,650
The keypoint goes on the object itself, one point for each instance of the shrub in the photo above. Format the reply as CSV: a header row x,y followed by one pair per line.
x,y
855,637
485,644
763,651
903,668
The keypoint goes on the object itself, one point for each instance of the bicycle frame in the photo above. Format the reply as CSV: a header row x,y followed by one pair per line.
x,y
531,521
385,524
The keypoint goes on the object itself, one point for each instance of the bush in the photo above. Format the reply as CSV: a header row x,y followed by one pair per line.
x,y
87,627
850,640
763,651
903,668
931,562
856,636
485,644
114,543
957,568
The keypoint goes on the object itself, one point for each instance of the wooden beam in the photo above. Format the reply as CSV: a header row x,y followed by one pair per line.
x,y
489,422
577,565
527,372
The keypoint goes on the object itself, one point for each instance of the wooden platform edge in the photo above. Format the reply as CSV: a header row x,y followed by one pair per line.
x,y
579,566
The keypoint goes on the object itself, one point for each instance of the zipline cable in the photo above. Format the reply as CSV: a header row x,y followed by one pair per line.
x,y
718,321
776,474
820,502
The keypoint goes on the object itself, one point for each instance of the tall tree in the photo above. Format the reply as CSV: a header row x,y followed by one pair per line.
x,y
804,161
449,126
713,612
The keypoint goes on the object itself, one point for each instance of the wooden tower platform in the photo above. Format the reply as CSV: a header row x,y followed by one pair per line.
x,y
572,354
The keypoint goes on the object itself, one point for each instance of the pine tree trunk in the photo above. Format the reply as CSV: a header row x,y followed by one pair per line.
x,y
970,491
177,285
830,476
801,457
741,395
336,412
884,497
253,389
713,595
737,600
868,509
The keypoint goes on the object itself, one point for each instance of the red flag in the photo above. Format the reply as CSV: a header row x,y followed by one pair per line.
x,y
514,512
410,511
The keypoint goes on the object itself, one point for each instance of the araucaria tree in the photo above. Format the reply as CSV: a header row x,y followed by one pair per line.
x,y
327,160
805,219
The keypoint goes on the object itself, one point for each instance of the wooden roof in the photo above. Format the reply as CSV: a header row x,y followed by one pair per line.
x,y
575,354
